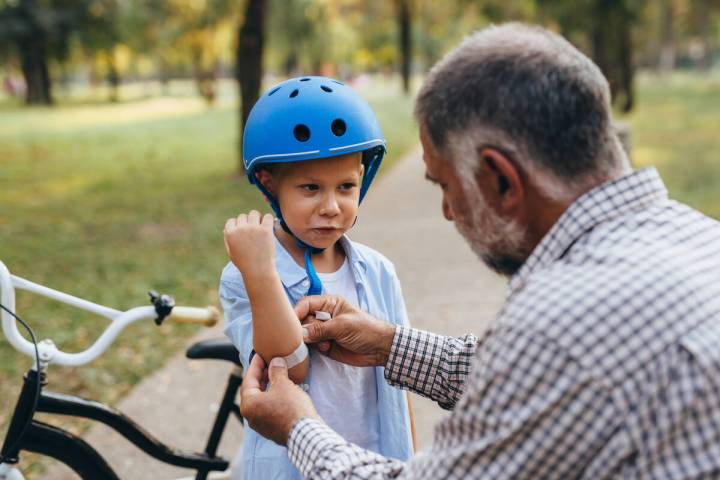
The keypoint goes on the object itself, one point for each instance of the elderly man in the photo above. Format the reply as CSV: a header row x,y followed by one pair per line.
x,y
604,361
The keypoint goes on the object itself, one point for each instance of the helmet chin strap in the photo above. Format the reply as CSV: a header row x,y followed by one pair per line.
x,y
315,283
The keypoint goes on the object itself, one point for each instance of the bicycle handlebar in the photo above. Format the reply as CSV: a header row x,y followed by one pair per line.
x,y
207,316
49,353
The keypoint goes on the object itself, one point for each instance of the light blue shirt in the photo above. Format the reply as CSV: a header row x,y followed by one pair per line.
x,y
379,294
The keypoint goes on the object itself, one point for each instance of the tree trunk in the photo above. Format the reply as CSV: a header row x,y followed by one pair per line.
x,y
666,62
612,51
706,33
205,78
626,68
33,62
113,78
249,60
290,65
404,29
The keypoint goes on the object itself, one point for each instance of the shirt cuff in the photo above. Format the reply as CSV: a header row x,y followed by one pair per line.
x,y
414,358
308,439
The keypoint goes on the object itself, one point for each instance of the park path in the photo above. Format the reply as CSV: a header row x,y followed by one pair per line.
x,y
447,290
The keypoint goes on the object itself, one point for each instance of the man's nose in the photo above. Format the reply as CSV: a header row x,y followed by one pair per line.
x,y
447,211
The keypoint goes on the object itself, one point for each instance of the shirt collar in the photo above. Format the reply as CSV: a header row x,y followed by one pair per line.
x,y
291,273
630,193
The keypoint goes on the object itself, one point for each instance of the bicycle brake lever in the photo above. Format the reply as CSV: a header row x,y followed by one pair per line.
x,y
163,305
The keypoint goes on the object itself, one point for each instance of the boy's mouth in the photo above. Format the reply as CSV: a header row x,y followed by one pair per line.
x,y
325,230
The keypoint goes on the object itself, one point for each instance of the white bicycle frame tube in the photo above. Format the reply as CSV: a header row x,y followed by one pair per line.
x,y
49,353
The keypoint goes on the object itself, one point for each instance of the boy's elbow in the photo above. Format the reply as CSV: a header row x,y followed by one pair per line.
x,y
299,372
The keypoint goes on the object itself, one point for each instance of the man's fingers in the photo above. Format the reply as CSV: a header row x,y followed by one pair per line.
x,y
253,381
230,223
302,308
317,331
314,303
277,370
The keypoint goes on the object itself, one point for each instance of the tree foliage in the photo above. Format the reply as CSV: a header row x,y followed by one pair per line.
x,y
163,39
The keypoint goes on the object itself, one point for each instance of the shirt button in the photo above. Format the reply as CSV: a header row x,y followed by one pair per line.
x,y
305,283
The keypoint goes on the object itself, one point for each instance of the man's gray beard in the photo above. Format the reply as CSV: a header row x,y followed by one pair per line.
x,y
500,243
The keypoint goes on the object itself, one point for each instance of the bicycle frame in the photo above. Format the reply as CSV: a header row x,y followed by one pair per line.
x,y
61,404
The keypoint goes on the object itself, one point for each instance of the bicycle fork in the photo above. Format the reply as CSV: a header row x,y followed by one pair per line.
x,y
22,416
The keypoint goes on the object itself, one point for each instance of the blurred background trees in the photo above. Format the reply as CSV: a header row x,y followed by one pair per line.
x,y
49,43
116,41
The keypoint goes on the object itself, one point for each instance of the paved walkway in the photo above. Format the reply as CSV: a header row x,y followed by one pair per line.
x,y
447,290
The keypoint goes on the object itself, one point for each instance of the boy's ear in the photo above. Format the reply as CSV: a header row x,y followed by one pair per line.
x,y
266,180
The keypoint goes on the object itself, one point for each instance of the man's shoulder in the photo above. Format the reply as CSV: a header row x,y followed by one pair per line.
x,y
623,294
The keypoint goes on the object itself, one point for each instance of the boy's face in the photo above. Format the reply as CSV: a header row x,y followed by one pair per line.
x,y
318,198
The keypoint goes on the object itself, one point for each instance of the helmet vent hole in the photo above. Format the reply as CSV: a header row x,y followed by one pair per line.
x,y
302,133
273,91
294,93
326,88
338,127
304,79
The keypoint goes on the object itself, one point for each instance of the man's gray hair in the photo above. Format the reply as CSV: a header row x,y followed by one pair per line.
x,y
529,93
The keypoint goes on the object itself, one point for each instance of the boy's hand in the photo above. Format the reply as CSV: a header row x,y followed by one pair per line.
x,y
249,242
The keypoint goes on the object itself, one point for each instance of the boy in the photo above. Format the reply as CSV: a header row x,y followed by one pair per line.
x,y
312,146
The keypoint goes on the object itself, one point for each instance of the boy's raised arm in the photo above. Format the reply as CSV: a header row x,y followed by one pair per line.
x,y
276,329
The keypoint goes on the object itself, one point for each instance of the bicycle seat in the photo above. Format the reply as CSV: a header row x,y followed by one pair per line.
x,y
215,349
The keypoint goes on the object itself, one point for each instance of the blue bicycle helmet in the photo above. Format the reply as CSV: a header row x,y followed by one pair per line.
x,y
308,118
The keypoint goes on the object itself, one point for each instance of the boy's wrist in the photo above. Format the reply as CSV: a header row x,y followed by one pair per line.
x,y
259,278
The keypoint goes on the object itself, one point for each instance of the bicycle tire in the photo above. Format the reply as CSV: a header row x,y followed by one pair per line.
x,y
67,448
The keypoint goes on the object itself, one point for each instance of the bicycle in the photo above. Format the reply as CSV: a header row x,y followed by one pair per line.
x,y
25,433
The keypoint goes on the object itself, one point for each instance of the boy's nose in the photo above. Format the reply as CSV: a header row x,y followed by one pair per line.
x,y
329,206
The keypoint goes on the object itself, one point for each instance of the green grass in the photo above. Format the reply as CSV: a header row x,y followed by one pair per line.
x,y
109,201
676,127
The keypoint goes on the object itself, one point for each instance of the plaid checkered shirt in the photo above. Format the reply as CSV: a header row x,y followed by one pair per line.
x,y
603,363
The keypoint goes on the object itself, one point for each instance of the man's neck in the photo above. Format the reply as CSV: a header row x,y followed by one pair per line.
x,y
544,213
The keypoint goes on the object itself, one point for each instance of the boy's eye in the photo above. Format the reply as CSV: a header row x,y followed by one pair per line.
x,y
310,187
347,186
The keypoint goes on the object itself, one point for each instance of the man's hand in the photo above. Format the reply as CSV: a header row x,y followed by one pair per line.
x,y
249,243
273,411
351,336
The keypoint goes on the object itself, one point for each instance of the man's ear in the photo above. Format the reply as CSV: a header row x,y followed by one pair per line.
x,y
266,180
500,180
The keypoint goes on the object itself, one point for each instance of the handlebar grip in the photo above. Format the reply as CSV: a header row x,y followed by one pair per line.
x,y
207,316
